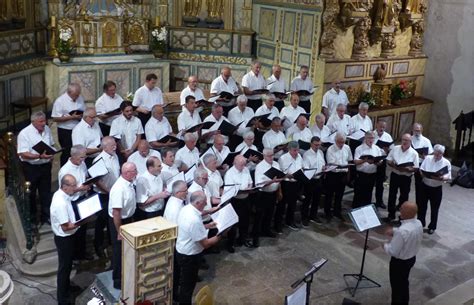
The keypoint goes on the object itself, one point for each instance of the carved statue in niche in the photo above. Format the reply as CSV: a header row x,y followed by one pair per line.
x,y
136,35
384,18
416,42
380,73
192,8
361,38
109,35
329,30
87,34
215,8
388,45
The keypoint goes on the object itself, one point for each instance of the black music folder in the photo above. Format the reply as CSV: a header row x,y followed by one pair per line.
x,y
274,172
251,152
41,147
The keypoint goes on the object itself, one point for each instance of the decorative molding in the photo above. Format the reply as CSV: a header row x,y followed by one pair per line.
x,y
210,58
21,66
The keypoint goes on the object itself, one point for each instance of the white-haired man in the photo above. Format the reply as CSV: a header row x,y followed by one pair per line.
x,y
188,155
105,106
433,185
88,134
251,82
67,112
277,85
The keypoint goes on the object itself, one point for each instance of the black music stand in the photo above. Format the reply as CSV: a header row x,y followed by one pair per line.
x,y
364,219
308,278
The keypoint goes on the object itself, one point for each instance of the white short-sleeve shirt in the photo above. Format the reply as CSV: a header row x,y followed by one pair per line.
x,y
276,85
429,164
264,110
237,116
339,156
314,159
188,157
358,122
78,171
302,84
198,95
149,185
398,156
105,103
63,105
122,196
191,231
61,212
241,178
29,137
140,161
155,129
260,178
218,85
147,98
173,207
113,167
253,82
363,150
331,99
186,120
335,123
126,130
87,135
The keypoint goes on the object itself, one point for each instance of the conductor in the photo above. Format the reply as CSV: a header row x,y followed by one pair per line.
x,y
403,247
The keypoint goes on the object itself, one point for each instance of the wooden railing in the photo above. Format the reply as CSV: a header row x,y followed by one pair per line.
x,y
19,188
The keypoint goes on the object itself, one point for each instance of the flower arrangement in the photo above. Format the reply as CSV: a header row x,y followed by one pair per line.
x,y
129,96
158,40
366,97
402,90
64,41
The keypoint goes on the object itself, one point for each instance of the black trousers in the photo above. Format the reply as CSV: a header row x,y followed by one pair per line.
x,y
242,208
264,209
144,118
117,252
335,185
379,180
65,247
306,105
101,223
399,273
312,193
290,194
40,178
419,189
105,129
65,140
397,182
187,275
363,187
142,215
434,196
254,104
279,105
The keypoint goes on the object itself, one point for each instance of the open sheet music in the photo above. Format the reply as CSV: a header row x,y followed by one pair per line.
x,y
298,297
365,218
225,218
88,207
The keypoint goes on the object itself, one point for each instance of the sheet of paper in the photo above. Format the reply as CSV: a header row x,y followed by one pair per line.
x,y
329,139
357,135
298,297
89,207
189,175
309,174
225,218
98,169
229,193
365,218
330,168
177,177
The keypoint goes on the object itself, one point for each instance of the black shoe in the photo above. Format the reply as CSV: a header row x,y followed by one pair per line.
x,y
279,231
292,226
431,231
316,220
255,243
230,249
248,244
305,223
381,205
269,234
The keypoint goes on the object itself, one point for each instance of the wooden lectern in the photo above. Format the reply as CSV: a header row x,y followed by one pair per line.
x,y
147,261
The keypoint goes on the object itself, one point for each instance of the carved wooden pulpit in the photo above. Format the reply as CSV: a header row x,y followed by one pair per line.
x,y
147,260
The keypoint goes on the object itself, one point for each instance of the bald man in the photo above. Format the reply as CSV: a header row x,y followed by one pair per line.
x,y
122,204
277,85
404,244
192,89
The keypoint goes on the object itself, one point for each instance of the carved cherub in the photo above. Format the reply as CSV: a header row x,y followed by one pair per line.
x,y
379,74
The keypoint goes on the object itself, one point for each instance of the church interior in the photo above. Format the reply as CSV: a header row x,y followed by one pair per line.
x,y
411,61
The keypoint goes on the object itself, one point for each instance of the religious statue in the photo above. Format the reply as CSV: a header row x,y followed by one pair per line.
x,y
86,36
109,35
329,30
416,43
380,73
215,8
361,39
412,6
385,13
192,8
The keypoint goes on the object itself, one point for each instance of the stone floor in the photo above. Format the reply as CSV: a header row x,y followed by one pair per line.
x,y
443,273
